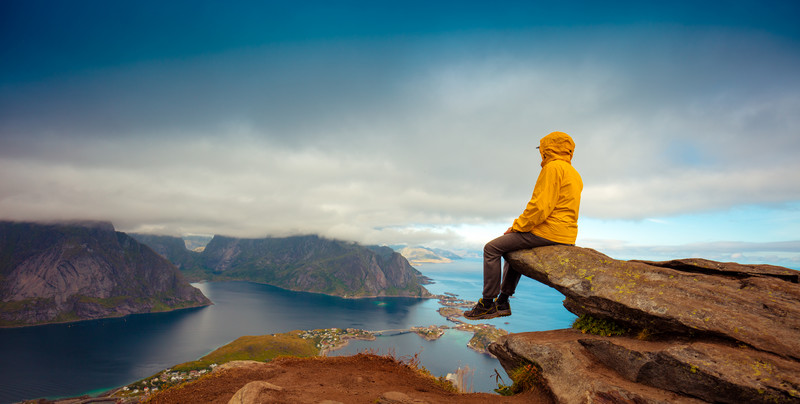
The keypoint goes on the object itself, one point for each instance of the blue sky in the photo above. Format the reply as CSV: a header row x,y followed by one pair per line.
x,y
407,122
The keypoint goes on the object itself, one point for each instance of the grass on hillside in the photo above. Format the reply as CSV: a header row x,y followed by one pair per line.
x,y
257,348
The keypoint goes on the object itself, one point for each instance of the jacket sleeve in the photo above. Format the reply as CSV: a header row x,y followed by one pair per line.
x,y
543,200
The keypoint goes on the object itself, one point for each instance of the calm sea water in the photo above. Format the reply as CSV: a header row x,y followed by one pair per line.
x,y
93,356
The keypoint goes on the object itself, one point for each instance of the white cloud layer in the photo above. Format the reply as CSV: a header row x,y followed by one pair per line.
x,y
405,141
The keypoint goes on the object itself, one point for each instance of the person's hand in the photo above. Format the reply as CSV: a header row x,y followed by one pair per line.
x,y
509,230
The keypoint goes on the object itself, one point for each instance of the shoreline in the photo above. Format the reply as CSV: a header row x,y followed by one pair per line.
x,y
428,296
12,327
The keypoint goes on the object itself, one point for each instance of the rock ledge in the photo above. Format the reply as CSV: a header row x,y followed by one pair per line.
x,y
698,330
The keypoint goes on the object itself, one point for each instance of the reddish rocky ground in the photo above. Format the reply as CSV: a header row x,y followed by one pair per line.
x,y
362,378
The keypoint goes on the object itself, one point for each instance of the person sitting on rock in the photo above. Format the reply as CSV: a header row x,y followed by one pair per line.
x,y
550,218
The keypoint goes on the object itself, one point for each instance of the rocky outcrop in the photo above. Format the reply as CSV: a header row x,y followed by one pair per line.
x,y
254,392
79,271
695,330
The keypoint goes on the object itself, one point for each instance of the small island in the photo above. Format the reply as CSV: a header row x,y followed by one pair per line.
x,y
483,334
430,333
452,314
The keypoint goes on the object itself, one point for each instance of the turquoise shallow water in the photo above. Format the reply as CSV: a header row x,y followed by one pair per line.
x,y
72,359
535,307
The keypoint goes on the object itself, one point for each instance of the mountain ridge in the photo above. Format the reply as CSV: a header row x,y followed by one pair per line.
x,y
72,271
307,263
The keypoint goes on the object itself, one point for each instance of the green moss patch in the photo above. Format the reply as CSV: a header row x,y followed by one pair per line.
x,y
591,325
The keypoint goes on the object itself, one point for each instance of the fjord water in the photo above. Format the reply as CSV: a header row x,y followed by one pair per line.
x,y
92,356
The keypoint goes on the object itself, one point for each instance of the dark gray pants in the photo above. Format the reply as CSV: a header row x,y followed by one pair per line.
x,y
494,250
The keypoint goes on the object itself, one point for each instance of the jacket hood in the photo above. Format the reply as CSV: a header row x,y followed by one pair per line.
x,y
556,146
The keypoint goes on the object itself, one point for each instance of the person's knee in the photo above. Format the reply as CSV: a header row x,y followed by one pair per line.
x,y
490,250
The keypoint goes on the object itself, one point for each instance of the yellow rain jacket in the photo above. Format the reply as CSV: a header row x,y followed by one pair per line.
x,y
552,212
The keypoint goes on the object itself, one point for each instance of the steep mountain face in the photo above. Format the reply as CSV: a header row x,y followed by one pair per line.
x,y
311,264
80,271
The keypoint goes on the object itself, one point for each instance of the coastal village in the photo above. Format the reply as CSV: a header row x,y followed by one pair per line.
x,y
163,380
332,339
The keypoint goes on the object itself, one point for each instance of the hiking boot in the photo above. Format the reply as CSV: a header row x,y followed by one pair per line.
x,y
503,309
482,311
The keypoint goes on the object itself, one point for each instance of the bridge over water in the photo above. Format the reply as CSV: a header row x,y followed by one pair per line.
x,y
395,332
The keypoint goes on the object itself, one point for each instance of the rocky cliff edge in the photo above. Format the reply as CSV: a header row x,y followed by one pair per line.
x,y
692,330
